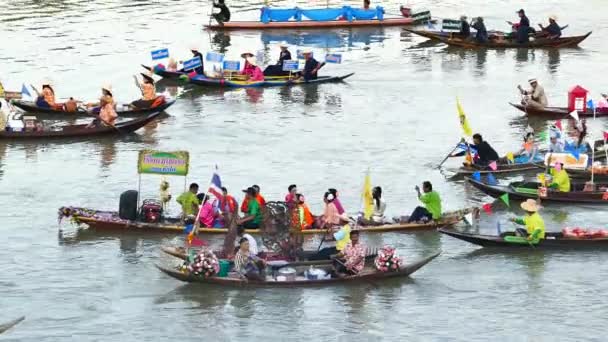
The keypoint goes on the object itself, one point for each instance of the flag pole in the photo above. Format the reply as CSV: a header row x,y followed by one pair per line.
x,y
198,214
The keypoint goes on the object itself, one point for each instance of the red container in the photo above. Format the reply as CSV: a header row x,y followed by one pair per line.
x,y
577,99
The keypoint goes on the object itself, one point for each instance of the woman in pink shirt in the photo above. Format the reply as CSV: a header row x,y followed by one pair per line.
x,y
256,74
207,214
331,215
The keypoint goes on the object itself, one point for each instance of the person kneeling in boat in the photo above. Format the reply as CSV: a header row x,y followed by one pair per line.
x,y
553,31
481,36
532,220
148,91
351,260
106,108
485,153
561,179
248,265
534,97
253,217
224,14
432,205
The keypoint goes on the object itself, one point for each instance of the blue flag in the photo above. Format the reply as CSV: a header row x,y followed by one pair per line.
x,y
491,179
188,228
590,104
24,91
477,176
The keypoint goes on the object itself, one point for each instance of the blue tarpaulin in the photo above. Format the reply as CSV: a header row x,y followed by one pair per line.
x,y
320,14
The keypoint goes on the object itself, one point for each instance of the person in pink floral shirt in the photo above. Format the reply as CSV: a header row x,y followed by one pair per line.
x,y
352,259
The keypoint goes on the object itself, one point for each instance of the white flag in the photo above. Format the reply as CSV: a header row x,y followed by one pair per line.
x,y
574,114
469,218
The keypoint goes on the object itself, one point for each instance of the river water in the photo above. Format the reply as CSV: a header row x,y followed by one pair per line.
x,y
395,116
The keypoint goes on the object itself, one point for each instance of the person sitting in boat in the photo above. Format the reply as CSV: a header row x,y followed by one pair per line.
x,y
172,65
561,179
253,244
305,219
290,198
247,67
224,205
148,91
253,217
248,265
106,108
379,207
535,97
532,220
188,201
485,153
366,4
432,205
277,69
556,145
481,35
256,74
311,66
339,236
331,215
529,150
47,98
196,54
465,28
258,197
223,15
206,215
521,29
553,31
351,260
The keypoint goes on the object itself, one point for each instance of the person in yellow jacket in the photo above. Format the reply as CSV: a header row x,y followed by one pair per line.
x,y
533,221
561,180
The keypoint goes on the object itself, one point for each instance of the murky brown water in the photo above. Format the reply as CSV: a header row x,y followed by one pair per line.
x,y
396,115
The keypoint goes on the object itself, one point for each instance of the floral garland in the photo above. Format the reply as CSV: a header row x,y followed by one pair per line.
x,y
387,260
204,264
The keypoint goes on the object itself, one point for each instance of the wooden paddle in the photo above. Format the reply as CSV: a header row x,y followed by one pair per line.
x,y
448,156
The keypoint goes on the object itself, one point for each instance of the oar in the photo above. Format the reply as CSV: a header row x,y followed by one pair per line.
x,y
323,239
137,84
448,156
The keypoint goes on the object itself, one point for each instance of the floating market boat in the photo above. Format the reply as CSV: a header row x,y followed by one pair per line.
x,y
66,131
526,190
121,111
500,169
298,279
299,18
558,112
110,220
498,42
4,327
509,240
222,82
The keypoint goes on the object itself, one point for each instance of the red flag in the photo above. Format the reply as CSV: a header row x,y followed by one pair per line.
x,y
558,124
487,208
196,242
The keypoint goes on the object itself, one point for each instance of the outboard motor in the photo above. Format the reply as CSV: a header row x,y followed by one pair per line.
x,y
151,211
128,205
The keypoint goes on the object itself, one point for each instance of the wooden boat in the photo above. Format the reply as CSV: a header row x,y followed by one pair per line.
x,y
82,130
222,82
31,107
309,24
551,241
4,327
366,275
109,220
558,112
456,40
501,169
172,75
526,190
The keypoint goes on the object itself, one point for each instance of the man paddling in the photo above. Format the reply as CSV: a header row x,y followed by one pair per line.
x,y
223,15
485,153
552,31
532,220
535,97
311,66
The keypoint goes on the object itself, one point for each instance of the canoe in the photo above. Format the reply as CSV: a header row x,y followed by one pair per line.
x,y
309,24
366,275
558,112
455,40
31,107
172,75
222,82
551,241
66,131
4,327
526,190
501,169
109,220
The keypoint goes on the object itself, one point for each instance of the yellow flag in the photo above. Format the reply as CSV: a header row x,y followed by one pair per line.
x,y
1,90
510,157
464,123
368,200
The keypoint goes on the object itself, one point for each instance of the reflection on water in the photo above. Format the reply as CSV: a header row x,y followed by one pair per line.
x,y
553,60
221,41
335,38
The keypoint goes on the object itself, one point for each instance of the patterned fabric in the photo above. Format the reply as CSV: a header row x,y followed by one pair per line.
x,y
355,256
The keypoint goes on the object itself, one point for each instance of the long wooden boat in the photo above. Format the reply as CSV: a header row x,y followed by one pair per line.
x,y
82,130
558,112
309,24
551,241
109,220
586,175
501,169
31,107
456,40
222,82
526,190
4,327
366,275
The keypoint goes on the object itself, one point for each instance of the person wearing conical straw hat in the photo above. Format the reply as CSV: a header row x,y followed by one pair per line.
x,y
248,67
553,31
532,221
106,108
148,91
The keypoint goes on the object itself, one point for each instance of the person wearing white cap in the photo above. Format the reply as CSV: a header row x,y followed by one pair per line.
x,y
277,69
534,97
532,220
106,107
311,66
552,31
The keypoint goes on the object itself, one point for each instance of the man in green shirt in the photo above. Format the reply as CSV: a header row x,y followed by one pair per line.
x,y
189,201
432,205
253,217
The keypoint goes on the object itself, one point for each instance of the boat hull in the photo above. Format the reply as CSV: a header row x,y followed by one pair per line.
x,y
558,112
31,107
221,82
552,241
308,24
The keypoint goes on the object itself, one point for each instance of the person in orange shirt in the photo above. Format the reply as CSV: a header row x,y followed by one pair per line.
x,y
106,108
47,98
148,91
261,200
304,218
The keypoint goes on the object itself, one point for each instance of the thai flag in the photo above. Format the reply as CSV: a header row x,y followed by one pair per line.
x,y
215,187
